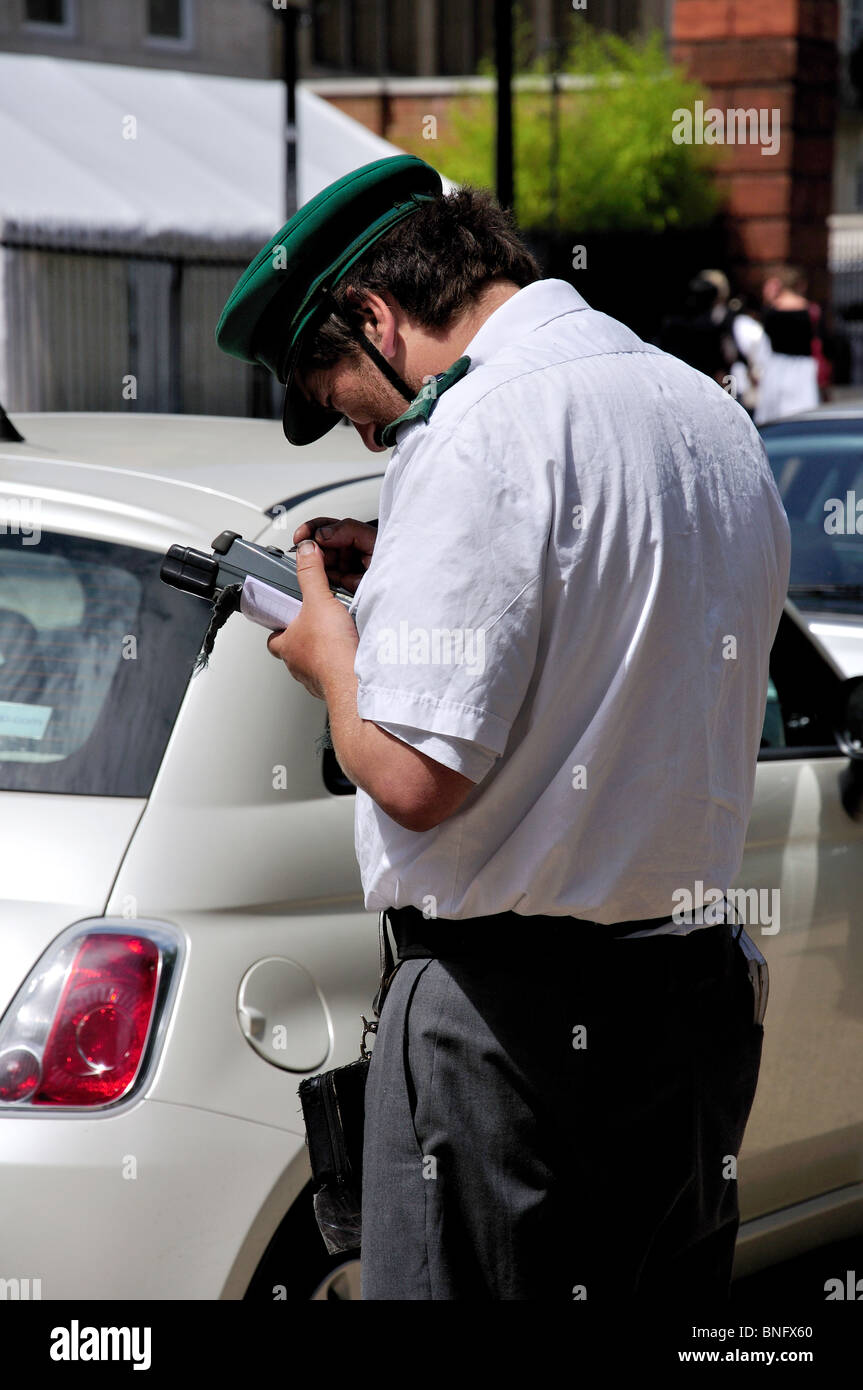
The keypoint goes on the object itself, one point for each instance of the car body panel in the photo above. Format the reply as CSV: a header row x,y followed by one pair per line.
x,y
58,860
157,1202
805,1132
191,457
842,635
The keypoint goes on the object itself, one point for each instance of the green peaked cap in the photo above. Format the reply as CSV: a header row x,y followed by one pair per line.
x,y
284,292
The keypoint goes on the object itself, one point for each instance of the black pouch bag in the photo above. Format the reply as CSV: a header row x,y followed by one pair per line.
x,y
333,1105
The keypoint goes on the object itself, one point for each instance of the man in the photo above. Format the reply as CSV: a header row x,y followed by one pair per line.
x,y
748,337
698,335
551,706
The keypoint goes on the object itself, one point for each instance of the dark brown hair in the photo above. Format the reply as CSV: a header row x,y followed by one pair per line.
x,y
434,263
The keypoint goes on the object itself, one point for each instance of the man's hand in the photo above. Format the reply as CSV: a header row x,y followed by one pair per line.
x,y
347,547
319,649
322,640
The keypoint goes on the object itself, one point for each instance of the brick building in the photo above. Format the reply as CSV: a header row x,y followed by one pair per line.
x,y
241,38
775,56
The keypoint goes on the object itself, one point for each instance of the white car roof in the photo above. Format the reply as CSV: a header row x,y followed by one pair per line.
x,y
170,476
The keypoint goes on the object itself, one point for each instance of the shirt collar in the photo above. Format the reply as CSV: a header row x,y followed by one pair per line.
x,y
529,309
524,312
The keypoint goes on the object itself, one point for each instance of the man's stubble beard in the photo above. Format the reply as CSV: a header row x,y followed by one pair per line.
x,y
383,401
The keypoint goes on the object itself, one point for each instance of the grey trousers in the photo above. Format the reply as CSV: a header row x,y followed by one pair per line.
x,y
561,1124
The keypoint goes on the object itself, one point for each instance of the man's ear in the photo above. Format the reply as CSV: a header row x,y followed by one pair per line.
x,y
379,318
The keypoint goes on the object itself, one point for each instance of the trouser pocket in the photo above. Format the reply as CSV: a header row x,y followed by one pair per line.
x,y
758,972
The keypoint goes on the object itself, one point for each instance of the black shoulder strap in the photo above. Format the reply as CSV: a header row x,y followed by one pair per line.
x,y
378,358
388,964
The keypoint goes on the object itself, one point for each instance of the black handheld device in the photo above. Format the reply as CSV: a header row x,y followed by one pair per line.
x,y
258,581
232,561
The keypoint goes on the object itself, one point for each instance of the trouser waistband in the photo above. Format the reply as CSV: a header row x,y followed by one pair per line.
x,y
417,936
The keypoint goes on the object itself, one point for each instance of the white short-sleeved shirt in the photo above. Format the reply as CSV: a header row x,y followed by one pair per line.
x,y
580,567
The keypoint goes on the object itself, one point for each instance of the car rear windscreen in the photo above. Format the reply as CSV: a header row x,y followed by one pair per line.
x,y
95,656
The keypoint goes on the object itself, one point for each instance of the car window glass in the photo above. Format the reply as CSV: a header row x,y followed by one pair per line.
x,y
820,480
773,733
62,629
95,656
801,695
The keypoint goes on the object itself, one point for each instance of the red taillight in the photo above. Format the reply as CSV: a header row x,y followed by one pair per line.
x,y
100,1026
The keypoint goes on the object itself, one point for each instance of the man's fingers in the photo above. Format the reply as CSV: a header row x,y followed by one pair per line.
x,y
340,535
346,581
307,529
311,572
346,549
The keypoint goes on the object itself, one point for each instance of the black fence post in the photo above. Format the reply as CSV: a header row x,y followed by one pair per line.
x,y
505,179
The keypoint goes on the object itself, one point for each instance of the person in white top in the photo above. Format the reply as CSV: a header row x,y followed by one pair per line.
x,y
581,546
789,369
551,706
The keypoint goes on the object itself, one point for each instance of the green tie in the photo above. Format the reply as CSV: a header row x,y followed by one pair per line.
x,y
425,401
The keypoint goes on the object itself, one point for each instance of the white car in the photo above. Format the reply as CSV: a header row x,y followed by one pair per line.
x,y
182,932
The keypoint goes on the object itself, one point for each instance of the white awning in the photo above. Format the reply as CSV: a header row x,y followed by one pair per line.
x,y
96,154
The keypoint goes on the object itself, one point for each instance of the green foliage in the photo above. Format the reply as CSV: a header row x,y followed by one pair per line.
x,y
617,165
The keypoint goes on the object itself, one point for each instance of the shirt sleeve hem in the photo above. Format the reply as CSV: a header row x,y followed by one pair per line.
x,y
472,760
433,716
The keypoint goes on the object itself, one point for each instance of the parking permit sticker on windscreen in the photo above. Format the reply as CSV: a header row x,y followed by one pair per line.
x,y
23,721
